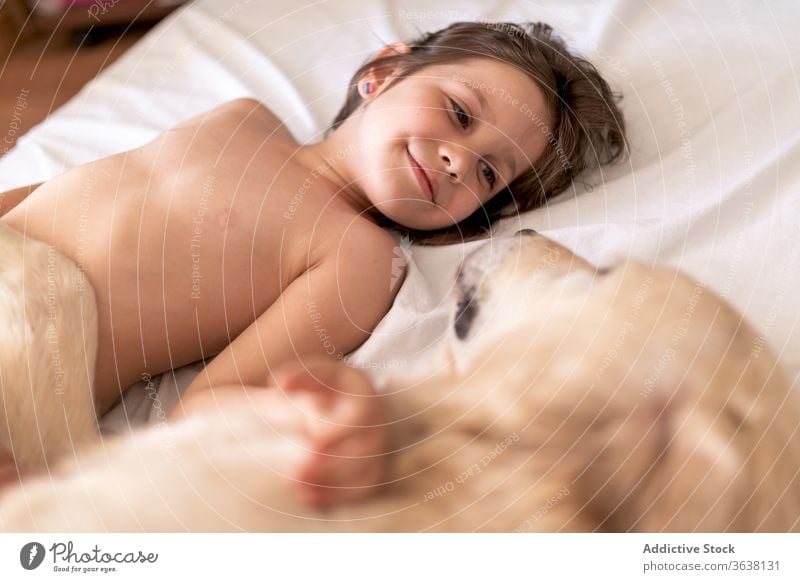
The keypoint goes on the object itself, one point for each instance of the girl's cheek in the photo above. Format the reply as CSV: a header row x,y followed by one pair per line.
x,y
464,204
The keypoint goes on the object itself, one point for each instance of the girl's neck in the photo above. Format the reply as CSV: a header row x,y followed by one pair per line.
x,y
332,159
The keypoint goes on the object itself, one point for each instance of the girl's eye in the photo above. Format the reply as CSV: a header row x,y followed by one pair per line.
x,y
461,115
463,119
488,173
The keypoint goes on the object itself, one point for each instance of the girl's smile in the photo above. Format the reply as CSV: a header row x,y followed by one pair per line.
x,y
426,179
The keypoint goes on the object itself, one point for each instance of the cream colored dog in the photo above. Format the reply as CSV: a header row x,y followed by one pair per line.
x,y
566,399
48,343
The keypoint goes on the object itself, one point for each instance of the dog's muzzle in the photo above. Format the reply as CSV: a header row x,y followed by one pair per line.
x,y
475,267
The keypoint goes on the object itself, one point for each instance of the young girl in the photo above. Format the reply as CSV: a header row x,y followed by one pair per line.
x,y
224,237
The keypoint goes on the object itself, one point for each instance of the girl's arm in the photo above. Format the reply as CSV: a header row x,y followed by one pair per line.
x,y
325,313
11,198
329,310
329,411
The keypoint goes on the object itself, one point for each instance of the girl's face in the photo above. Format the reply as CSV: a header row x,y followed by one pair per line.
x,y
435,146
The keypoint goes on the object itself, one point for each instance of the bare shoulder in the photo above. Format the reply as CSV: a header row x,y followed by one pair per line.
x,y
244,111
246,107
370,262
372,242
371,238
353,284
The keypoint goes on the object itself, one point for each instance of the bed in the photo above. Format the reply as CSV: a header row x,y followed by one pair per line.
x,y
711,96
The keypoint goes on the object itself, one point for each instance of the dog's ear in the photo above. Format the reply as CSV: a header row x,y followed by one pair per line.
x,y
687,460
630,463
677,467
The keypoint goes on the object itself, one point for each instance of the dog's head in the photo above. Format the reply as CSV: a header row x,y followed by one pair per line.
x,y
625,399
508,284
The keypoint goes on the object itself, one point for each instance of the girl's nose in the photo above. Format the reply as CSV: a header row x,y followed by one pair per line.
x,y
456,163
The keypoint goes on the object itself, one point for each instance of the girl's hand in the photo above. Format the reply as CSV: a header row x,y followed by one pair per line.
x,y
345,426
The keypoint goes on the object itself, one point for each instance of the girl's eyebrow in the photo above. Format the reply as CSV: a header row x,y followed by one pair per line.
x,y
481,101
485,111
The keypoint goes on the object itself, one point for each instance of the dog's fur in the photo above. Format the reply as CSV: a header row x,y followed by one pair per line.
x,y
568,400
48,346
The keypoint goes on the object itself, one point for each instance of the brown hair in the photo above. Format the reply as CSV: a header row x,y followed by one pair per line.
x,y
588,129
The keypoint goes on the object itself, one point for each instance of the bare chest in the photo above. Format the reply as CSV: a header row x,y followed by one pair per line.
x,y
186,241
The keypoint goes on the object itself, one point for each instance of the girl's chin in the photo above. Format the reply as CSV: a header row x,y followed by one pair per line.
x,y
413,213
399,211
424,226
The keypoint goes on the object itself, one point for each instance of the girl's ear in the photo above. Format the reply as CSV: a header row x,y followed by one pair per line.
x,y
395,48
379,76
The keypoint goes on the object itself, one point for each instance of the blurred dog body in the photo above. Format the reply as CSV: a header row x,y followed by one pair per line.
x,y
564,399
48,344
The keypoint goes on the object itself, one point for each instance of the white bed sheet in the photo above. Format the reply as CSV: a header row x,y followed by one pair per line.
x,y
712,99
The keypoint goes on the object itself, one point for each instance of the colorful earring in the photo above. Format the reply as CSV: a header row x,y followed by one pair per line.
x,y
367,88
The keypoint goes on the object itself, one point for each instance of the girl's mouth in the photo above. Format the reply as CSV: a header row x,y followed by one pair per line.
x,y
426,184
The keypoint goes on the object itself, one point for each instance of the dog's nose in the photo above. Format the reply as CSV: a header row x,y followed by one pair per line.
x,y
466,310
526,232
